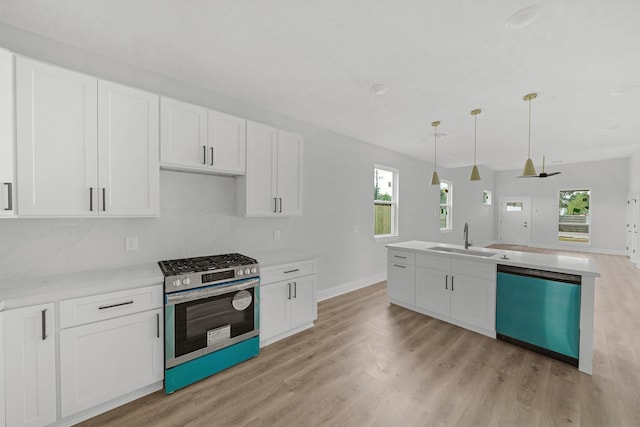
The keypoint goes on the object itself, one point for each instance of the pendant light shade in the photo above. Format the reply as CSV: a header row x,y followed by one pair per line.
x,y
475,173
435,180
529,169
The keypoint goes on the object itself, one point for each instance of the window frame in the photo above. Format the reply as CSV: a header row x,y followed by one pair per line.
x,y
449,205
394,203
588,220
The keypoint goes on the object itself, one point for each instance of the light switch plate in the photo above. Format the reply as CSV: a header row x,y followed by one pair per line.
x,y
131,243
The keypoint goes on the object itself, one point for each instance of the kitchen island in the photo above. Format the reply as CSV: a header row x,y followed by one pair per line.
x,y
458,285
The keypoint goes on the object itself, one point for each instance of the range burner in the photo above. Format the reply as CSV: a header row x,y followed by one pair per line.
x,y
190,273
204,263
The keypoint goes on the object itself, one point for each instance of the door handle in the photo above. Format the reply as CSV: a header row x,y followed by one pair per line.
x,y
211,163
280,204
44,324
275,205
9,196
451,283
90,199
157,325
289,286
295,290
104,199
446,281
204,154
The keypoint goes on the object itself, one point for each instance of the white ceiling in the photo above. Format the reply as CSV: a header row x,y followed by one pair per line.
x,y
316,60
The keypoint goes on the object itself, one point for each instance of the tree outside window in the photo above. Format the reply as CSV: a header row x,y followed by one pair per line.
x,y
446,204
573,220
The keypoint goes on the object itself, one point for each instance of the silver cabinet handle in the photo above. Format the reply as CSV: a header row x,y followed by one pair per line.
x,y
157,325
44,324
399,266
280,204
211,157
204,154
446,281
275,205
398,256
289,285
9,196
104,307
90,199
291,271
104,199
295,290
451,283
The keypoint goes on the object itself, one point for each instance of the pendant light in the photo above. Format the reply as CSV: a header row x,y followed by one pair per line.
x,y
435,180
475,173
529,170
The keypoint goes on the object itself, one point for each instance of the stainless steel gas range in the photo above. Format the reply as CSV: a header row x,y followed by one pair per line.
x,y
211,316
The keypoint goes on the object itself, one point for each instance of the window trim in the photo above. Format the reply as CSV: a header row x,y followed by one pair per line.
x,y
449,226
394,203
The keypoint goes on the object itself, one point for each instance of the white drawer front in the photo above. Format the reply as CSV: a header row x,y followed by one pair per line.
x,y
287,271
401,256
434,262
481,270
79,311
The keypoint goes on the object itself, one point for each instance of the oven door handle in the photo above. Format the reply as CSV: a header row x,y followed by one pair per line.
x,y
195,294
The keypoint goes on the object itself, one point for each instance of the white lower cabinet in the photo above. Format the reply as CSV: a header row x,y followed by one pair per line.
x,y
287,306
458,291
2,406
113,346
30,366
104,360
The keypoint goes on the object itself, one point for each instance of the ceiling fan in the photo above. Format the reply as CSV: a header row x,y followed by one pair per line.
x,y
542,174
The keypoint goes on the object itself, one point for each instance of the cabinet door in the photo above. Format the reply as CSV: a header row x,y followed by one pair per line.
x,y
433,289
127,151
183,134
56,140
473,301
7,143
275,309
2,406
303,301
226,136
104,360
261,175
289,191
30,366
401,282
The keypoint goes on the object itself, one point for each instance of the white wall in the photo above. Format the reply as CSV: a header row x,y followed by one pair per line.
x,y
197,212
634,172
608,182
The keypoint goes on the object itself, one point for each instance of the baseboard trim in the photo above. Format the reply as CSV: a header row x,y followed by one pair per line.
x,y
351,286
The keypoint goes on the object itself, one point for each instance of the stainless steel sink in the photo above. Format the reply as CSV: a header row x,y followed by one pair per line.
x,y
462,251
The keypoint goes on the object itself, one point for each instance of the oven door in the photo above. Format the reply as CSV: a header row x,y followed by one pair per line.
x,y
203,320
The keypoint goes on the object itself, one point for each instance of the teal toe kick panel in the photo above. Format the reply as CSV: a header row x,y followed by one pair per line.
x,y
539,310
197,369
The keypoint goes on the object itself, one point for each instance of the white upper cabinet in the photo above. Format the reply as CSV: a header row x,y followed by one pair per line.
x,y
84,147
273,182
7,142
57,140
128,138
194,138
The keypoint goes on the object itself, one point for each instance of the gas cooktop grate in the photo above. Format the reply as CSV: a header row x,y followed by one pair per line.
x,y
204,263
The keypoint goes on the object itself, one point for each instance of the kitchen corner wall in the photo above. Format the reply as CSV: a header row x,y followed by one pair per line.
x,y
608,181
198,212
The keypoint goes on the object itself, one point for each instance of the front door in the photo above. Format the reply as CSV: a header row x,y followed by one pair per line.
x,y
515,220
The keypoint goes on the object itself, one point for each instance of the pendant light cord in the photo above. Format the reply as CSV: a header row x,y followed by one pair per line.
x,y
529,152
435,150
475,136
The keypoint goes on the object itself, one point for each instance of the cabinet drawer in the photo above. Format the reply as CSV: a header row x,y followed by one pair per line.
x,y
434,262
401,256
93,308
287,271
479,270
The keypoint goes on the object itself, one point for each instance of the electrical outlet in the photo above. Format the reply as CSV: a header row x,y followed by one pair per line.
x,y
355,228
131,243
276,234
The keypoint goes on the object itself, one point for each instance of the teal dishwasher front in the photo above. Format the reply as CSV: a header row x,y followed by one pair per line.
x,y
539,310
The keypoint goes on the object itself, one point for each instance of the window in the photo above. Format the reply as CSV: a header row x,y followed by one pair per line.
x,y
514,206
446,204
486,197
573,219
385,201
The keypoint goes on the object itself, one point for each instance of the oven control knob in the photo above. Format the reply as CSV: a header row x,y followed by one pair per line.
x,y
254,270
247,271
186,281
176,283
239,273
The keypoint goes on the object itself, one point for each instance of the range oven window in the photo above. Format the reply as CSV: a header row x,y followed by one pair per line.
x,y
199,323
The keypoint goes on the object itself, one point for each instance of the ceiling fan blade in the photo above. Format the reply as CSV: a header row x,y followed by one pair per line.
x,y
553,173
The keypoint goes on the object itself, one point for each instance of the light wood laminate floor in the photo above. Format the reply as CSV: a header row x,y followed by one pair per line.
x,y
370,363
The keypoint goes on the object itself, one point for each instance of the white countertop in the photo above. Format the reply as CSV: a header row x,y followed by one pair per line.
x,y
30,291
273,257
561,263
